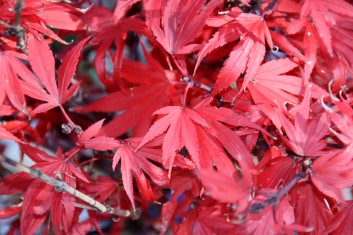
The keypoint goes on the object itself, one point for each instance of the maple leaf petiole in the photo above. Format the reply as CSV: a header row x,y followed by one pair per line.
x,y
181,70
65,115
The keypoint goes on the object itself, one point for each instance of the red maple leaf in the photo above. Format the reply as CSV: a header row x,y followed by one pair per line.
x,y
10,68
184,126
317,10
269,87
144,96
179,124
220,122
228,189
134,162
205,217
331,174
311,208
247,55
305,137
110,30
341,223
275,169
45,87
89,138
175,23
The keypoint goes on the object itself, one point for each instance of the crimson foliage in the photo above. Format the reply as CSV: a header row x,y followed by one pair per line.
x,y
210,116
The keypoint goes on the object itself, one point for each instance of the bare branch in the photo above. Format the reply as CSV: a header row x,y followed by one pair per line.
x,y
259,206
270,7
62,186
16,29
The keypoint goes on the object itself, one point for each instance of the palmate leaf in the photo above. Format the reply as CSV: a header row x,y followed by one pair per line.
x,y
305,137
10,68
183,182
175,23
206,218
341,223
333,173
45,87
221,121
318,10
271,86
247,55
90,139
135,163
275,169
39,203
310,208
228,189
179,123
186,127
147,94
111,31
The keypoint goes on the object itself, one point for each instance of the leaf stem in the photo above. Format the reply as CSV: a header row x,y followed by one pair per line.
x,y
182,71
65,115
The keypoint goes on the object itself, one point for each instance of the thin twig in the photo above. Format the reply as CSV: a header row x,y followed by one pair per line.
x,y
62,186
17,28
270,7
259,206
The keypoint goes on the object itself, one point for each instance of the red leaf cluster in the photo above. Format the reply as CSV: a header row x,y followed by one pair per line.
x,y
210,116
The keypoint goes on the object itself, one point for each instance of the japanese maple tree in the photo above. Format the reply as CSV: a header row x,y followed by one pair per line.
x,y
176,117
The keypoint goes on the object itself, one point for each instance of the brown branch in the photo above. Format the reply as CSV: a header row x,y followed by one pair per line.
x,y
16,29
259,206
62,186
270,7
